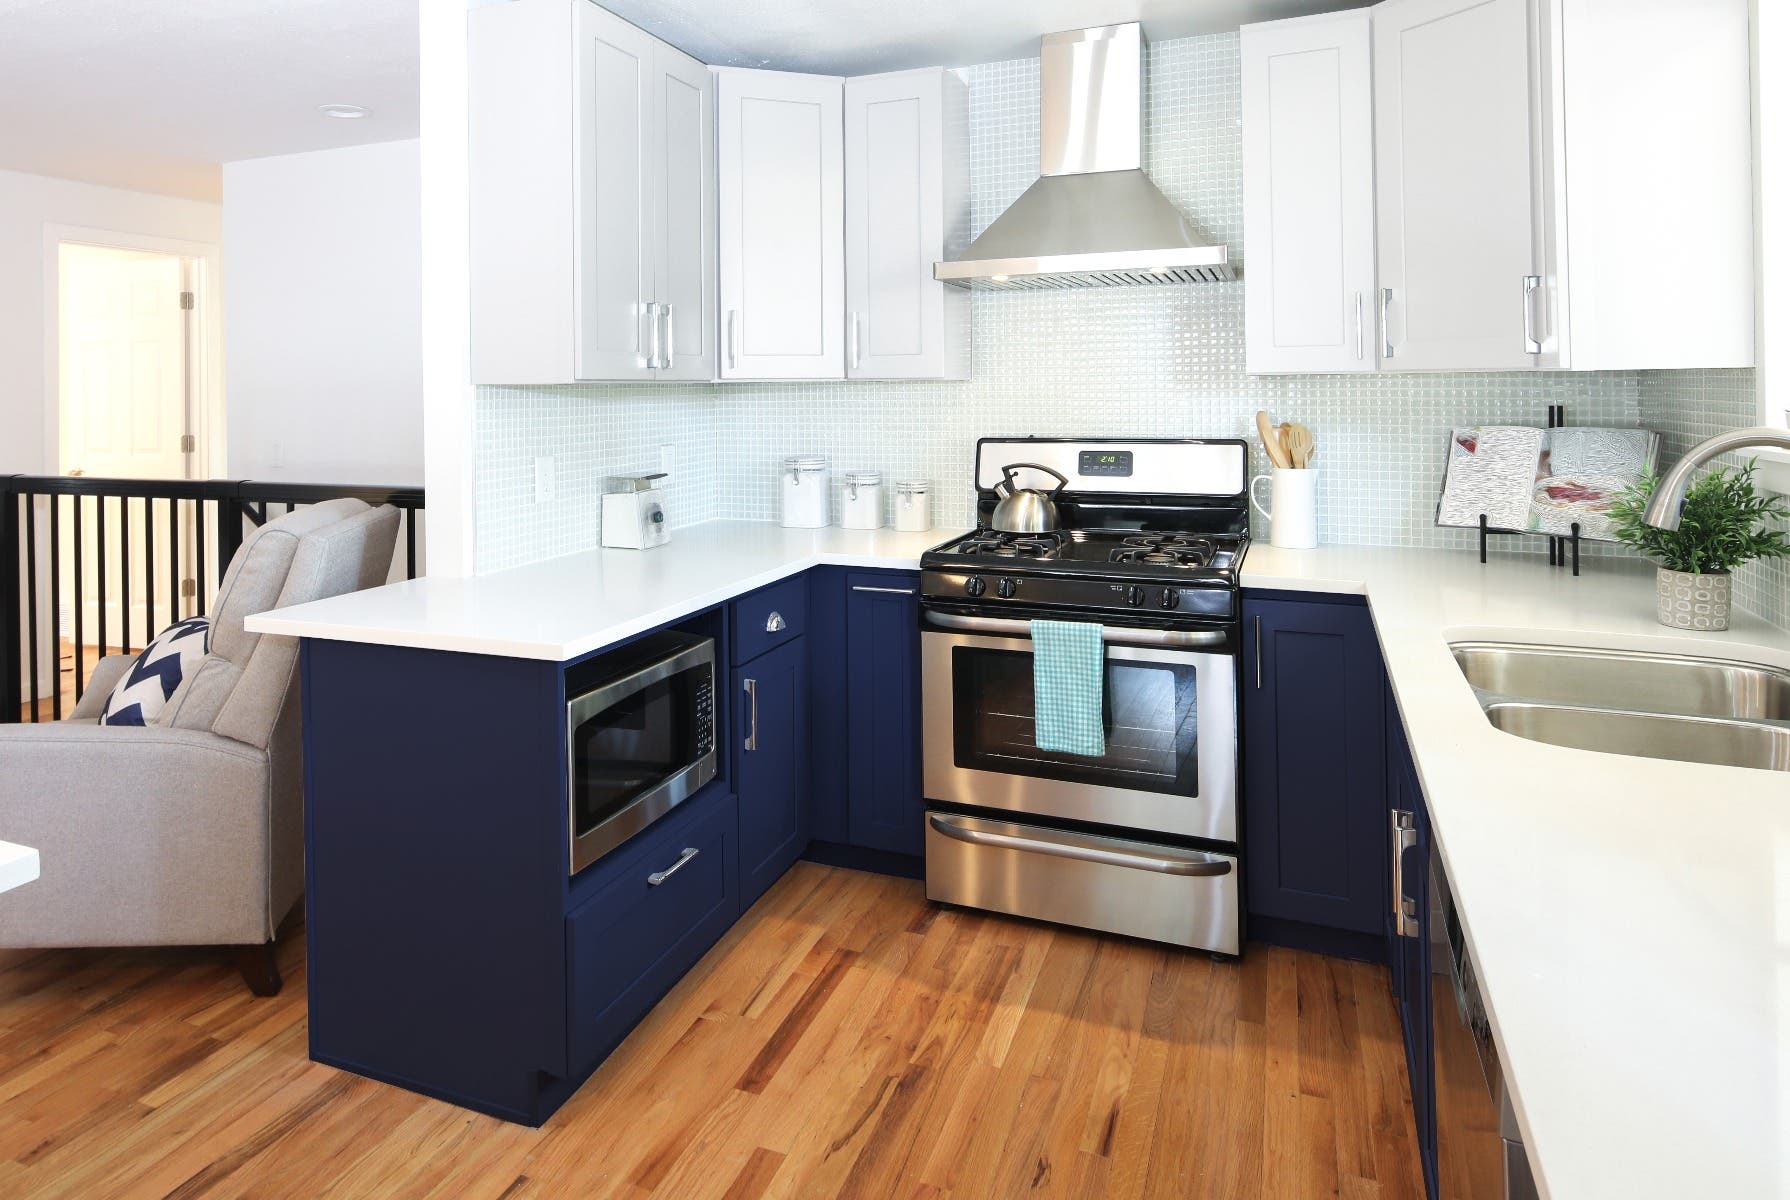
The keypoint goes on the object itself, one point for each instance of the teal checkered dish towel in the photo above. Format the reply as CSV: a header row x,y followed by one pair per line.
x,y
1069,686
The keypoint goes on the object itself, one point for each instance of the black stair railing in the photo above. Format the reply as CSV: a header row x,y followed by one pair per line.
x,y
66,544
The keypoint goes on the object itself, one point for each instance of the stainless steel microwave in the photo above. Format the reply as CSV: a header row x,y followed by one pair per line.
x,y
639,741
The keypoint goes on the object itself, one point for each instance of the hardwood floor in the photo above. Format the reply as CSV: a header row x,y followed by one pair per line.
x,y
845,1039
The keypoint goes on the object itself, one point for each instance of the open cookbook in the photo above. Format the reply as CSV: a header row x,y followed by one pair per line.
x,y
1530,480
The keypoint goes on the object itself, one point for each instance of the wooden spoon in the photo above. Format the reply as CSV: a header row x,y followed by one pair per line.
x,y
1271,441
1299,445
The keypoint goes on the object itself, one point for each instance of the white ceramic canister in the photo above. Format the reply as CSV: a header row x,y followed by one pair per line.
x,y
861,500
805,492
1292,510
913,506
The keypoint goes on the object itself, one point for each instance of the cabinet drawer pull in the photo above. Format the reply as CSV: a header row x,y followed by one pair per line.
x,y
1360,346
733,337
752,715
857,340
775,623
658,877
652,337
1258,653
666,344
1385,322
859,587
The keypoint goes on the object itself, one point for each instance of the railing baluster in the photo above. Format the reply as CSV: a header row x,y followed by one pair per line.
x,y
80,602
11,702
99,573
148,569
200,578
174,597
124,573
409,515
31,596
56,607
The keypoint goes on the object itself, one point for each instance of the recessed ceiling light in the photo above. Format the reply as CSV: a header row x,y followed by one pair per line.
x,y
998,278
344,112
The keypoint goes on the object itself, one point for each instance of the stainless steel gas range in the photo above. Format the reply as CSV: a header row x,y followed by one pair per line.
x,y
1141,839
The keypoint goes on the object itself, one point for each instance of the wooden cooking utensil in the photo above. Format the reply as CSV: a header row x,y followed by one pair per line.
x,y
1299,445
1271,441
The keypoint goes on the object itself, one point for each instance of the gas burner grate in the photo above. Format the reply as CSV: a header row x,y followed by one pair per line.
x,y
1165,549
1013,545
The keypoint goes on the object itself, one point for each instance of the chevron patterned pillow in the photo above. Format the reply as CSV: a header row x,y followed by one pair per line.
x,y
140,694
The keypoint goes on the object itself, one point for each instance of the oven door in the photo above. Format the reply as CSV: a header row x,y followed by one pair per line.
x,y
1171,712
638,746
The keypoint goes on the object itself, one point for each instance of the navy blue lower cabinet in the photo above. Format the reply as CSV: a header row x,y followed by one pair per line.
x,y
1407,925
771,765
884,807
661,902
1314,774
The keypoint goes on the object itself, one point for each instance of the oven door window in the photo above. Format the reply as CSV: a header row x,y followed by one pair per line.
x,y
632,746
1151,742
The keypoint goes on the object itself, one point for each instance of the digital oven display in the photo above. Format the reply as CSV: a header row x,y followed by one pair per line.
x,y
1115,463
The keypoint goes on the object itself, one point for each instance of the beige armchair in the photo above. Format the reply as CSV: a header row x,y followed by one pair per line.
x,y
188,831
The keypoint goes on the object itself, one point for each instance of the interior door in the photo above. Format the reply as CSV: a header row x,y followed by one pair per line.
x,y
1308,194
894,222
1453,112
613,127
683,180
782,233
123,410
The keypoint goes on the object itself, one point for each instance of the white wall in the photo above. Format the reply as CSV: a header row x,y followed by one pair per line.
x,y
29,203
322,316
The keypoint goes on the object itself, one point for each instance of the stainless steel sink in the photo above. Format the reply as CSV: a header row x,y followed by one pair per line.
x,y
1647,735
1621,702
1657,683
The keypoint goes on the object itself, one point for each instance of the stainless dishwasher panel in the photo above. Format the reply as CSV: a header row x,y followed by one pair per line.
x,y
1141,889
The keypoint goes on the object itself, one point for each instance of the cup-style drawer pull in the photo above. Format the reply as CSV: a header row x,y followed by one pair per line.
x,y
775,623
658,877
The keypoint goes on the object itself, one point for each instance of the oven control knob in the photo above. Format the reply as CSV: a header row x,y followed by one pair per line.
x,y
1170,598
974,585
1134,596
1005,589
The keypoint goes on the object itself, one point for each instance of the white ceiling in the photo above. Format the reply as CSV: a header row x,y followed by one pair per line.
x,y
154,94
850,37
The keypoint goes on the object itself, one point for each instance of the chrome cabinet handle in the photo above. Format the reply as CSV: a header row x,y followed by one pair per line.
x,y
859,587
652,336
658,877
1360,345
1531,343
752,716
733,337
1258,653
775,623
1060,844
667,353
1385,322
857,341
1404,837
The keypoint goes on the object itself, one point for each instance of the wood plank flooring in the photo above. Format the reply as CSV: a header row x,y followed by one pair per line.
x,y
845,1039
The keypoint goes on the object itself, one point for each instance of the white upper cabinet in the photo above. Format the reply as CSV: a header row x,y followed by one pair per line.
x,y
593,198
1308,194
906,207
782,229
1456,185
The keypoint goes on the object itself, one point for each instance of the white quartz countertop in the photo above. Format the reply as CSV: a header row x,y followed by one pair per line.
x,y
566,607
1630,917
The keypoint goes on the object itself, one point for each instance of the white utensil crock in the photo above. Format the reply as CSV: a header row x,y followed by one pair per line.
x,y
1292,509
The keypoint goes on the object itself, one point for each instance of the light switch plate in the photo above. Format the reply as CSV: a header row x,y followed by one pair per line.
x,y
543,479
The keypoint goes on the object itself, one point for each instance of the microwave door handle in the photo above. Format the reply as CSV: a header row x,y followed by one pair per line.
x,y
1112,635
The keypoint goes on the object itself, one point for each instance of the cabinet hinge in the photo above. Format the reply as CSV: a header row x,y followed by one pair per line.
x,y
186,300
188,443
189,587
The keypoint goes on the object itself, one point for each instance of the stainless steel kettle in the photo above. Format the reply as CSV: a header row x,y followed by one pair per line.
x,y
1026,510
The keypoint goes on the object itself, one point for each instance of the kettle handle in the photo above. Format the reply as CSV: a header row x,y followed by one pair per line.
x,y
1007,476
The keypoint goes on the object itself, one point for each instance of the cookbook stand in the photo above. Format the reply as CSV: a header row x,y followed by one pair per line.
x,y
1557,543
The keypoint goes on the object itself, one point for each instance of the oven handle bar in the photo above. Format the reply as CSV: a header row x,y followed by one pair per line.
x,y
1112,635
1067,845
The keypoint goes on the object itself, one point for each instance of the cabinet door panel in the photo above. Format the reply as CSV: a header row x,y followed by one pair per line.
x,y
613,126
886,811
1453,114
1308,195
684,211
1315,821
772,775
782,226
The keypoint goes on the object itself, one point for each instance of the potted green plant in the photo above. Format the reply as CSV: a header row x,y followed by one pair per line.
x,y
1726,524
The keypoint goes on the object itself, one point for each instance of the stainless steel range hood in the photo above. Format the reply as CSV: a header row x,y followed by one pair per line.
x,y
1093,217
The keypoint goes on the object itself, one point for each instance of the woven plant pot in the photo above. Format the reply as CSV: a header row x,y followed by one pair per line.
x,y
1688,601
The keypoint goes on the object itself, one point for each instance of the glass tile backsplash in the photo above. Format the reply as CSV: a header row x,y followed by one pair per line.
x,y
1138,361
